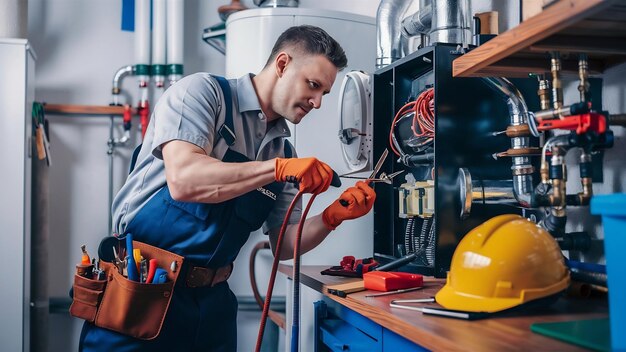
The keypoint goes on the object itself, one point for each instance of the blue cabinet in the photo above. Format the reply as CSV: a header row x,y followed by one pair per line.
x,y
338,328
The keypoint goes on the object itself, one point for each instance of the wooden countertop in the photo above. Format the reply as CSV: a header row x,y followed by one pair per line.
x,y
504,333
595,27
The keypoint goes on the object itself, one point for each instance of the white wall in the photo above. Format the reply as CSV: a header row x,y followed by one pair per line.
x,y
80,46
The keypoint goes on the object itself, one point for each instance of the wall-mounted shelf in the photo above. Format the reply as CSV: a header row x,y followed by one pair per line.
x,y
71,109
595,27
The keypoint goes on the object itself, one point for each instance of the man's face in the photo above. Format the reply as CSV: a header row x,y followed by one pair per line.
x,y
304,81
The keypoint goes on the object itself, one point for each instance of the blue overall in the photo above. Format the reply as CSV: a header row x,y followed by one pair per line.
x,y
209,235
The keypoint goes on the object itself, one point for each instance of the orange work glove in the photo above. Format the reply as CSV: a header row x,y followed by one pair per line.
x,y
312,175
359,201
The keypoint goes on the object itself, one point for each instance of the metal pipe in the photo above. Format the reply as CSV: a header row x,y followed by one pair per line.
x,y
583,75
389,46
418,23
518,112
483,192
493,192
451,21
544,94
560,140
117,78
569,110
617,119
557,88
586,178
111,144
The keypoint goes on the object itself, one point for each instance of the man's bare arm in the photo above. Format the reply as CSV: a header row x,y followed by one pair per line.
x,y
193,176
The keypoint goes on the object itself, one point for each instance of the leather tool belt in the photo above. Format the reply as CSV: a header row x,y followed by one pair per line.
x,y
129,307
198,276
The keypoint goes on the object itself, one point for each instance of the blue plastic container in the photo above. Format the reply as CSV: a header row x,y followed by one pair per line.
x,y
613,210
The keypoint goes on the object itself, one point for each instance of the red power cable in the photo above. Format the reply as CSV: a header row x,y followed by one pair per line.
x,y
270,286
423,109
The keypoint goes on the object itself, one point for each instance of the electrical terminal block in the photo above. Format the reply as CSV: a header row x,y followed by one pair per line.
x,y
417,199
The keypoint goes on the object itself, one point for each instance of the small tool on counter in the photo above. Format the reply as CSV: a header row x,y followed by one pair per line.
x,y
457,314
342,290
442,312
394,292
395,303
400,261
349,266
390,281
415,300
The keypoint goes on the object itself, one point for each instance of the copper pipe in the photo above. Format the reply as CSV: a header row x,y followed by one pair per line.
x,y
544,94
557,88
558,196
517,131
583,75
584,197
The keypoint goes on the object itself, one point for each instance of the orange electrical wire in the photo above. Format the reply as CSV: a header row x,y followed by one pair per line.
x,y
425,114
423,109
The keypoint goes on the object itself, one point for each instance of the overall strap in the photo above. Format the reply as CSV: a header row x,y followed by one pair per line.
x,y
288,149
227,130
133,159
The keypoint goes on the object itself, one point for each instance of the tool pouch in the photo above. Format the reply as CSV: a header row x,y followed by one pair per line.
x,y
87,296
130,307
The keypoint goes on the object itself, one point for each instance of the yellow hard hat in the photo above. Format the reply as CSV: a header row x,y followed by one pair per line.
x,y
504,262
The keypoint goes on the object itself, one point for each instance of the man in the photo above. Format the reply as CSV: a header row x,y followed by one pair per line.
x,y
209,173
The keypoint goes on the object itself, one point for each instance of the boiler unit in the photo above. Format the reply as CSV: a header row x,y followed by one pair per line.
x,y
447,135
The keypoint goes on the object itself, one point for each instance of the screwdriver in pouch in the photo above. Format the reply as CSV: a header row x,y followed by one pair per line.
x,y
85,268
131,266
152,266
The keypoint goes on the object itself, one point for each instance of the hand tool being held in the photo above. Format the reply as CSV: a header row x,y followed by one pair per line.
x,y
382,177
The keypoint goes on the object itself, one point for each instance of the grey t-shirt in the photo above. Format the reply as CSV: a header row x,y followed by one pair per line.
x,y
192,110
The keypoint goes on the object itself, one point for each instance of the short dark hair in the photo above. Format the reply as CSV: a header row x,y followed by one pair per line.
x,y
311,40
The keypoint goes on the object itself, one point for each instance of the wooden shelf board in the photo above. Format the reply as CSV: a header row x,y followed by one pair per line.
x,y
72,109
595,27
